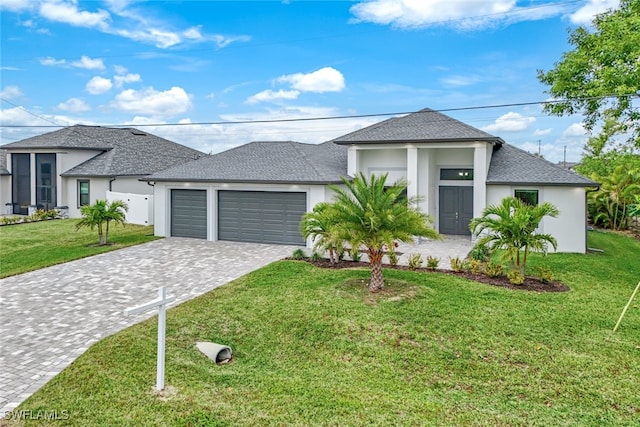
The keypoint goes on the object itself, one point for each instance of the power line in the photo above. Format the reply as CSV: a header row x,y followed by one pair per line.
x,y
308,119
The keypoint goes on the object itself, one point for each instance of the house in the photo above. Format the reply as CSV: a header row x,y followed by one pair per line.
x,y
77,165
259,191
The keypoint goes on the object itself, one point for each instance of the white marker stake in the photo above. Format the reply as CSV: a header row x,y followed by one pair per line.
x,y
161,302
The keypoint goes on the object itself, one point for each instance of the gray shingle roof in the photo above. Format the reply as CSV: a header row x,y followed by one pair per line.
x,y
3,163
271,162
120,151
511,165
423,126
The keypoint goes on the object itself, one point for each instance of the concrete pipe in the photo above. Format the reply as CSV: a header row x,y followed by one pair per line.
x,y
217,352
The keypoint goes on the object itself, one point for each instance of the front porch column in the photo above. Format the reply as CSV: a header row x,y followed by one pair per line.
x,y
32,183
480,169
412,172
352,161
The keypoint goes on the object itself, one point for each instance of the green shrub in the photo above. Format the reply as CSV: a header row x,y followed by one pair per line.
x,y
298,254
480,253
393,257
415,261
544,274
493,269
456,264
355,254
475,266
432,262
515,277
315,256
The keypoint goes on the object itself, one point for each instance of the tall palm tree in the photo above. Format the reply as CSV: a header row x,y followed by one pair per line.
x,y
100,214
511,226
320,224
370,214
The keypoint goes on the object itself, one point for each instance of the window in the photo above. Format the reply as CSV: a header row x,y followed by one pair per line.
x,y
530,197
456,174
83,193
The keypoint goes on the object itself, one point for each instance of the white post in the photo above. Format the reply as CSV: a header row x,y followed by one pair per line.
x,y
161,302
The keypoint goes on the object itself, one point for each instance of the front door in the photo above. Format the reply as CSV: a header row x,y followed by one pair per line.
x,y
456,209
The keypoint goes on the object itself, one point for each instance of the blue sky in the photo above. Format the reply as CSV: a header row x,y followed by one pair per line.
x,y
122,62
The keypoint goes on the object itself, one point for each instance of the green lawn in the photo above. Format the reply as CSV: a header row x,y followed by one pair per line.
x,y
312,347
30,246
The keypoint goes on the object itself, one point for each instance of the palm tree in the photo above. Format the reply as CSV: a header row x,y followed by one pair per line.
x,y
511,226
370,214
320,225
100,214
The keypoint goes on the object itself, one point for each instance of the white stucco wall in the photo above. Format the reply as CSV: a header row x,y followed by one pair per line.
x,y
569,228
384,160
5,191
162,200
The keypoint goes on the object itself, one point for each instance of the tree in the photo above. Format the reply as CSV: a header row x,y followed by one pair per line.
x,y
321,225
100,214
601,76
609,206
370,214
511,226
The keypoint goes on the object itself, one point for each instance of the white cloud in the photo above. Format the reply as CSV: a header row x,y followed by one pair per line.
x,y
586,13
49,61
10,92
510,122
88,63
119,69
74,105
19,116
127,78
67,12
326,79
575,130
98,85
192,33
460,80
542,132
270,95
461,14
168,103
15,5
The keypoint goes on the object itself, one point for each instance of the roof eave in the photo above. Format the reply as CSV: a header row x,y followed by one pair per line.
x,y
547,184
493,140
240,181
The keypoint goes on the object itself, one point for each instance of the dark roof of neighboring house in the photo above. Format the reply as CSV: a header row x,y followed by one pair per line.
x,y
3,163
120,151
268,162
511,165
423,126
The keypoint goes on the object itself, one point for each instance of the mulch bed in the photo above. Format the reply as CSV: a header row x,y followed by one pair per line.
x,y
530,283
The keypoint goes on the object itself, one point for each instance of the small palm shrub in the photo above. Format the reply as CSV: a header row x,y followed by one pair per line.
x,y
475,266
456,264
298,254
480,252
355,254
393,257
493,269
432,262
544,274
415,261
315,256
515,277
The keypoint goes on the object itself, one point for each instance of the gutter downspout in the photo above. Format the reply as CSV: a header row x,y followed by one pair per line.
x,y
113,178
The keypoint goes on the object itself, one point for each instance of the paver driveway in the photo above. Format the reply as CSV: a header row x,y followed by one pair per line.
x,y
51,316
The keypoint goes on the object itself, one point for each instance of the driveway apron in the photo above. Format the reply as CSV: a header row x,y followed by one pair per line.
x,y
51,316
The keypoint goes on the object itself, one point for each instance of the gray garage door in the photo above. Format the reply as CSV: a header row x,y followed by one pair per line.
x,y
189,213
261,216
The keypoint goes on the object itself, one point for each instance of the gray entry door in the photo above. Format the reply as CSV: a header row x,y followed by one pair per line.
x,y
261,216
189,213
456,209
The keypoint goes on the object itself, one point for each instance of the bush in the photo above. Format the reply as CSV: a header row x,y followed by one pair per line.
x,y
544,274
432,262
480,253
456,264
493,269
393,257
355,254
298,254
415,261
475,266
515,277
315,256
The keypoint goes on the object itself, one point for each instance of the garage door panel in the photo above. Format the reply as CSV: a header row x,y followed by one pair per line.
x,y
189,213
261,216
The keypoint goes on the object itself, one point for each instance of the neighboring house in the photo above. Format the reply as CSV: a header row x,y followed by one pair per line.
x,y
259,191
77,165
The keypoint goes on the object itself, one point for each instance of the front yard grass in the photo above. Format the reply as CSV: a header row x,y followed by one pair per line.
x,y
30,246
312,347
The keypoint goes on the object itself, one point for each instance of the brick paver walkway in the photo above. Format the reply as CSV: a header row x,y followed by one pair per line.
x,y
51,316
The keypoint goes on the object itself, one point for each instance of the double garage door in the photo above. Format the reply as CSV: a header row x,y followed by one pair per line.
x,y
243,216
